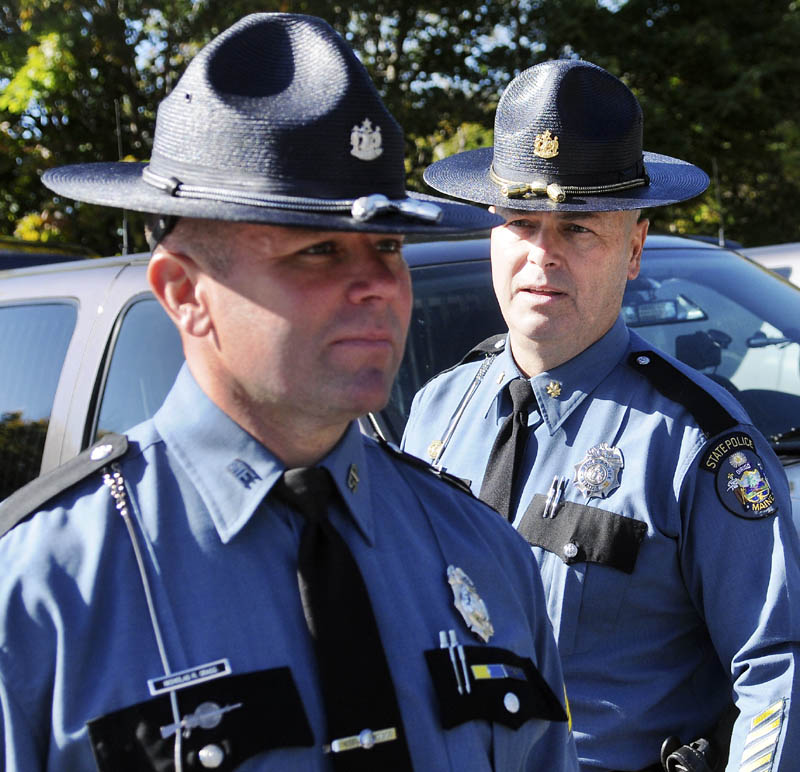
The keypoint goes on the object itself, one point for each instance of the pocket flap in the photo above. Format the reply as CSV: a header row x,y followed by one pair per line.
x,y
503,687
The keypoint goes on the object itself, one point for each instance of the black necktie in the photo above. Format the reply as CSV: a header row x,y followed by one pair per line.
x,y
503,463
360,701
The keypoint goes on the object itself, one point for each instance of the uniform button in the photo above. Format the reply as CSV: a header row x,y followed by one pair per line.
x,y
643,360
100,452
570,550
211,756
511,702
433,448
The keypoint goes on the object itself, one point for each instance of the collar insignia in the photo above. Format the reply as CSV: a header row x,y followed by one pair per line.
x,y
598,472
366,141
469,603
352,478
553,389
545,145
243,472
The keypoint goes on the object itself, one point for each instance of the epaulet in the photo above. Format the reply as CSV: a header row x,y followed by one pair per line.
x,y
25,502
485,349
407,458
711,416
492,345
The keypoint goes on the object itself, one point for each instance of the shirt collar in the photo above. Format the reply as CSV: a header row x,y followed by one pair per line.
x,y
559,391
233,472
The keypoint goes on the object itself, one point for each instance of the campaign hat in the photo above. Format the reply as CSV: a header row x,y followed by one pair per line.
x,y
275,121
568,136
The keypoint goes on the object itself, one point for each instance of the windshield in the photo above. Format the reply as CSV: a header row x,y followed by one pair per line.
x,y
712,309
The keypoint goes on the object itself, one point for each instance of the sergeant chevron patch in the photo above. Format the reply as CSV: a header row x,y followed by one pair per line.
x,y
762,739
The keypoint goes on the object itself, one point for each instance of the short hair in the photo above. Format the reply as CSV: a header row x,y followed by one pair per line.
x,y
207,241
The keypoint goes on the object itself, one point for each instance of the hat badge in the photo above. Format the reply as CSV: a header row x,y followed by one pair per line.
x,y
545,145
366,141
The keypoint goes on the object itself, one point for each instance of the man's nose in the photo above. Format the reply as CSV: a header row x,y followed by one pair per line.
x,y
544,248
377,274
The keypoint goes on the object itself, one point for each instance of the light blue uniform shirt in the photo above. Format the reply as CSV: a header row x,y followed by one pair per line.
x,y
713,601
76,640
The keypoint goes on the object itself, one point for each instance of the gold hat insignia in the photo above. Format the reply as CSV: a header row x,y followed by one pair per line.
x,y
545,145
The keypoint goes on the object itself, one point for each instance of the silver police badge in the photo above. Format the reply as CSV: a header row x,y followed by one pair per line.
x,y
598,472
469,603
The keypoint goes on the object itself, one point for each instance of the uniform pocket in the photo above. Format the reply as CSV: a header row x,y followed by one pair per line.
x,y
239,715
486,683
597,550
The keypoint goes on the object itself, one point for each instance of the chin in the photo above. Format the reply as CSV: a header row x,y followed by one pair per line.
x,y
369,394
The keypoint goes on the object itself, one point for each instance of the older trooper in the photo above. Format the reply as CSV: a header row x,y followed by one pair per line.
x,y
245,581
660,517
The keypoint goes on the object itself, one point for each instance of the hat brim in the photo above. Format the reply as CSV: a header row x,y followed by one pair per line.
x,y
120,184
466,176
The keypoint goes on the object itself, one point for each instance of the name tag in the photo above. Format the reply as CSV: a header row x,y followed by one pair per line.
x,y
188,677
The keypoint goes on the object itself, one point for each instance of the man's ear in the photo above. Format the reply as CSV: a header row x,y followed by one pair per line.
x,y
176,281
638,236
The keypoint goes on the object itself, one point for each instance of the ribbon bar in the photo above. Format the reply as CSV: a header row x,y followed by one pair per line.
x,y
364,739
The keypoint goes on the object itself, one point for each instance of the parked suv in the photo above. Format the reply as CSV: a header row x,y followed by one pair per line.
x,y
86,349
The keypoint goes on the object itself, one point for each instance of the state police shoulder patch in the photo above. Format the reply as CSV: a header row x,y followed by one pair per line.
x,y
742,485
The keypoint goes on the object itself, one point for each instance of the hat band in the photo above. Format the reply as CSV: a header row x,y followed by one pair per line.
x,y
558,193
362,209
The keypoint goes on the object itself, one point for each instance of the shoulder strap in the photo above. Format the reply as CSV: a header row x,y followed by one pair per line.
x,y
492,345
25,502
407,458
674,384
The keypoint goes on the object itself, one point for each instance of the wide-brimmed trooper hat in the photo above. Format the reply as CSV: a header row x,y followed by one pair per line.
x,y
275,121
567,136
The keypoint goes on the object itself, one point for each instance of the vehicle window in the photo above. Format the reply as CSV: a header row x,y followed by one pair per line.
x,y
454,309
145,357
33,343
722,315
732,321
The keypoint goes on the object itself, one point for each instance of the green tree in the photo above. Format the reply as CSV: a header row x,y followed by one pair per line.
x,y
718,83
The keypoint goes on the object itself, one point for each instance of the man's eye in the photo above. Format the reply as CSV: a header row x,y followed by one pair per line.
x,y
325,248
389,245
575,228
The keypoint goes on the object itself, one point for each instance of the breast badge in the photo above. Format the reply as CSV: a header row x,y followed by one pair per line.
x,y
597,475
741,483
469,603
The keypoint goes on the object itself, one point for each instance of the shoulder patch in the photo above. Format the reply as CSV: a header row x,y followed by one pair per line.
x,y
25,502
674,384
742,485
407,458
492,345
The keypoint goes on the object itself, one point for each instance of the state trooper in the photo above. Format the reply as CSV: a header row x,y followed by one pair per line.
x,y
246,581
659,515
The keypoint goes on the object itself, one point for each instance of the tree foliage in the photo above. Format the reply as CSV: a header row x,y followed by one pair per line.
x,y
718,84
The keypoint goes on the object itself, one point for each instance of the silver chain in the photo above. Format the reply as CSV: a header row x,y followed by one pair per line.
x,y
112,477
